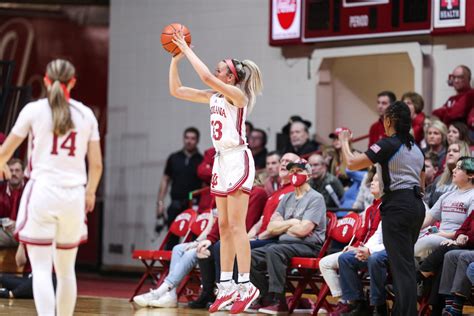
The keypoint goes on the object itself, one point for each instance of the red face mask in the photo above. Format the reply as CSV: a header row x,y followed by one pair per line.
x,y
298,179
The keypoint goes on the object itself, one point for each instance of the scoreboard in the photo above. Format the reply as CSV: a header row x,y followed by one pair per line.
x,y
306,21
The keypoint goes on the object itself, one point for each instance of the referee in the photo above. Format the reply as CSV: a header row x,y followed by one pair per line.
x,y
400,166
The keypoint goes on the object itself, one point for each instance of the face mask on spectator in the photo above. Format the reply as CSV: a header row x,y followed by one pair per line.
x,y
298,179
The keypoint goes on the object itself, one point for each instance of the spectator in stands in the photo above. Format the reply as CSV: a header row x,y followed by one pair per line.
x,y
300,224
10,195
415,103
272,182
442,184
14,286
365,197
204,172
180,171
248,129
458,131
470,272
259,230
454,282
183,260
371,255
377,131
437,141
300,143
433,264
460,106
451,210
329,265
337,164
427,124
431,170
325,183
208,250
355,178
283,138
257,142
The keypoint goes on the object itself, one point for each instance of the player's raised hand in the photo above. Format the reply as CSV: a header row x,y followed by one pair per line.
x,y
344,136
178,40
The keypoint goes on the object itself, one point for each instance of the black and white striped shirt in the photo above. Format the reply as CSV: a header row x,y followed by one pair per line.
x,y
398,166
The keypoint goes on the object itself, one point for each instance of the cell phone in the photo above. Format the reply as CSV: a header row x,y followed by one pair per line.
x,y
433,229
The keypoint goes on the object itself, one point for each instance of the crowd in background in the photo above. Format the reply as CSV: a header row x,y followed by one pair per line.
x,y
296,184
281,209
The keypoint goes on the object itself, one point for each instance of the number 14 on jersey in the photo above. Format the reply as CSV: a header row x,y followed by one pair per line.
x,y
69,144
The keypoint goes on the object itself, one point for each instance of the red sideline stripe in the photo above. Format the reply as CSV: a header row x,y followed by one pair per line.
x,y
244,177
22,225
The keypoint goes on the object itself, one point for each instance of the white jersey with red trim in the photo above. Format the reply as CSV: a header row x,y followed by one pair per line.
x,y
227,124
58,160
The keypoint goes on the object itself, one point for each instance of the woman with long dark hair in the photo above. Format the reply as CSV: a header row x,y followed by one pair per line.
x,y
399,162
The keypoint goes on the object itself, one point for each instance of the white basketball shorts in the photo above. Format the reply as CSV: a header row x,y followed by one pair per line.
x,y
232,170
51,214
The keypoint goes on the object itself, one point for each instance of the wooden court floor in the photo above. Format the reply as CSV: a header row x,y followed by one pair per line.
x,y
102,306
114,306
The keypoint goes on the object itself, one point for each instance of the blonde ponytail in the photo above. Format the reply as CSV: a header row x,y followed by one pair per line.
x,y
59,72
252,83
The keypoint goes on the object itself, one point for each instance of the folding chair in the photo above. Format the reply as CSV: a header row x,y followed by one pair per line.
x,y
341,230
180,227
344,232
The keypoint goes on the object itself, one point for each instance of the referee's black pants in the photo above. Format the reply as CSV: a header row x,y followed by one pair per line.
x,y
402,216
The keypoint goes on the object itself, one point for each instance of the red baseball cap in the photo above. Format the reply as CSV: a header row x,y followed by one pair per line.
x,y
338,130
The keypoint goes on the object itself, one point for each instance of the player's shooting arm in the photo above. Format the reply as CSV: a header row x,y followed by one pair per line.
x,y
207,77
179,91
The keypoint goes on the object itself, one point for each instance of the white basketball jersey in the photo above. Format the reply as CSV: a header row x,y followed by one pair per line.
x,y
227,124
59,160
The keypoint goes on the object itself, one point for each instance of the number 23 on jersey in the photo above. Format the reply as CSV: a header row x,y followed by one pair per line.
x,y
216,129
68,144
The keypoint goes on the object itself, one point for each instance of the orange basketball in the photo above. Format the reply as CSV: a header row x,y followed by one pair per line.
x,y
167,36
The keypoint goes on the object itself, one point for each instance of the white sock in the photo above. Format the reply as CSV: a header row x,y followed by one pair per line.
x,y
41,259
226,276
66,289
244,277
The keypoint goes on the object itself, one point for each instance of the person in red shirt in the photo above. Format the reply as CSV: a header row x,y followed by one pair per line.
x,y
459,107
416,104
377,131
10,195
272,182
258,232
204,172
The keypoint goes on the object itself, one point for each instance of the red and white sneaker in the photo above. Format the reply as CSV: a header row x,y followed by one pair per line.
x,y
226,294
248,293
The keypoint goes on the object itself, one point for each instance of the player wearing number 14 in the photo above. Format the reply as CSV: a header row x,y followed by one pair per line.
x,y
53,207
